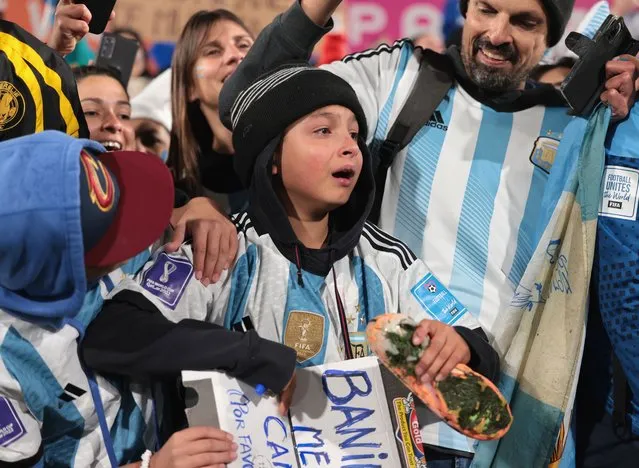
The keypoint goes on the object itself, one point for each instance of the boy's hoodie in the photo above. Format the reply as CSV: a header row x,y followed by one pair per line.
x,y
317,302
53,411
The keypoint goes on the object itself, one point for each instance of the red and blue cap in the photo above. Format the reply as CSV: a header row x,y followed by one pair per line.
x,y
126,200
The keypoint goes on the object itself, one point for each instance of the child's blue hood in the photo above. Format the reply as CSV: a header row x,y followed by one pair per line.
x,y
41,250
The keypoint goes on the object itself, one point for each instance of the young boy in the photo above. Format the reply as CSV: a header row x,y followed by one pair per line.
x,y
310,271
72,215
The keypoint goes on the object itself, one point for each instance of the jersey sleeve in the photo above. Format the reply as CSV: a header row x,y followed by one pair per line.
x,y
168,281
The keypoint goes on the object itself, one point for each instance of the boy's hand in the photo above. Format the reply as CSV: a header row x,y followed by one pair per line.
x,y
286,397
196,447
214,238
445,350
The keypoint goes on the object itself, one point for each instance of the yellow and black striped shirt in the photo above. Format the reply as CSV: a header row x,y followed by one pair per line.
x,y
37,88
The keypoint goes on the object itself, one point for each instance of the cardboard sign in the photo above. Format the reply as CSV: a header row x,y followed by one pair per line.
x,y
343,414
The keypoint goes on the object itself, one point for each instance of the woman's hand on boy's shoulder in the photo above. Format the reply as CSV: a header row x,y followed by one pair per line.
x,y
214,238
196,447
445,350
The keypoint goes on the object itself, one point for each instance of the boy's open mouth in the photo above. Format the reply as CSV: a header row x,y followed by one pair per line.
x,y
346,173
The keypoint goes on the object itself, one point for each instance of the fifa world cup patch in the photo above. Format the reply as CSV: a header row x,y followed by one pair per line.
x,y
167,279
11,428
304,332
438,301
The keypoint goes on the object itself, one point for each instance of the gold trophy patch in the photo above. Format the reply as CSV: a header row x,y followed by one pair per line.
x,y
305,334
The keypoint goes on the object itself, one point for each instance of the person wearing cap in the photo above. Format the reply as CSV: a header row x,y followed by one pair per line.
x,y
310,272
38,92
73,215
464,193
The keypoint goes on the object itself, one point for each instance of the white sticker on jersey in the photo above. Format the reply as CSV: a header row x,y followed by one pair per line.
x,y
620,190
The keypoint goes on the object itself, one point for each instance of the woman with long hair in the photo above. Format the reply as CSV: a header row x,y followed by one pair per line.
x,y
211,46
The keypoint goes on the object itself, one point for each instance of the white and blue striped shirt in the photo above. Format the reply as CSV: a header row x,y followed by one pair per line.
x,y
465,194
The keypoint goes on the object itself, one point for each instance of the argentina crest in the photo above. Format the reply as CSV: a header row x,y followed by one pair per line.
x,y
544,152
304,333
12,106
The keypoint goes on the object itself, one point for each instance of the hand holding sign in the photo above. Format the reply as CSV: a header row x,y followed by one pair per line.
x,y
286,397
195,447
465,400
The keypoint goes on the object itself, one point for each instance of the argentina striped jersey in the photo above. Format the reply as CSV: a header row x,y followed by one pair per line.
x,y
465,194
261,291
53,413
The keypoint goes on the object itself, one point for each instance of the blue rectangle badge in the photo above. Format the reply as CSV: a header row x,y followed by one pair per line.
x,y
438,301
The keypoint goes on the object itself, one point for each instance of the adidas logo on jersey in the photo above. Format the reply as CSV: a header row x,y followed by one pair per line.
x,y
436,121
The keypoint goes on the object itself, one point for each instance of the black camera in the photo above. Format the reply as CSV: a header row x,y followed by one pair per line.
x,y
585,82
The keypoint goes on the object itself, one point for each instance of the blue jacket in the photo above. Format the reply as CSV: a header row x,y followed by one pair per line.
x,y
54,412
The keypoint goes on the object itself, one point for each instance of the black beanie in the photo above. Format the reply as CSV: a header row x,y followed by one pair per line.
x,y
557,11
275,100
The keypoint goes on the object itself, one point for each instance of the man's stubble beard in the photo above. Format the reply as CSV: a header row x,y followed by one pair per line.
x,y
492,79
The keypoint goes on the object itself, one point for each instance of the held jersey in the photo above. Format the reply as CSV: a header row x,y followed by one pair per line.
x,y
54,410
464,195
263,291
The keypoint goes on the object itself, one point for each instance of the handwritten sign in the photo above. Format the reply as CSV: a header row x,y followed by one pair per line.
x,y
342,415
262,435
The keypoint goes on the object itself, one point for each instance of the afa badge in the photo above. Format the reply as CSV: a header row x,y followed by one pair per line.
x,y
12,106
544,152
